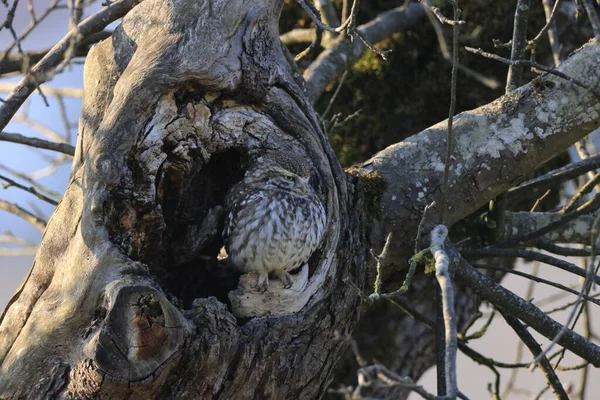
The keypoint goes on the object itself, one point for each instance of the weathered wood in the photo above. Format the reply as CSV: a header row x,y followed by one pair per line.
x,y
126,298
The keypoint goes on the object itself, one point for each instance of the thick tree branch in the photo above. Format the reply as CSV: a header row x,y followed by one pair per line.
x,y
496,145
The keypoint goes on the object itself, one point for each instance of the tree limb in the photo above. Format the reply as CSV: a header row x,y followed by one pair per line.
x,y
496,145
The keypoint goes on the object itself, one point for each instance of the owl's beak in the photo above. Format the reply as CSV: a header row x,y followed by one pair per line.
x,y
303,188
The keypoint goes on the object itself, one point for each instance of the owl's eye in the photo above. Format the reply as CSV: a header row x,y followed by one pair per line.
x,y
289,178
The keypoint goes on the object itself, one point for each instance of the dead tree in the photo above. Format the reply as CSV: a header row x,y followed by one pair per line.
x,y
126,298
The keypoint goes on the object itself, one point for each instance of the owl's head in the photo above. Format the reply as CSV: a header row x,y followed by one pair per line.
x,y
281,171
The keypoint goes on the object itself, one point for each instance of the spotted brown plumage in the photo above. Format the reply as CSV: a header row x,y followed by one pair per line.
x,y
275,220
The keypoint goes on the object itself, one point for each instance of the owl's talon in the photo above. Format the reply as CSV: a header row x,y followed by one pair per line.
x,y
285,278
263,282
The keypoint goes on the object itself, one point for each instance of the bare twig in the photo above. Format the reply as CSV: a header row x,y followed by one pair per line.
x,y
450,138
22,213
563,251
35,21
437,27
309,9
538,280
535,65
32,182
380,259
39,143
436,11
559,175
30,189
536,350
312,48
582,191
378,372
420,227
528,255
335,94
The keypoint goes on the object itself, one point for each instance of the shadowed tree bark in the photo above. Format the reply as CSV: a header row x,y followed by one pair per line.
x,y
126,298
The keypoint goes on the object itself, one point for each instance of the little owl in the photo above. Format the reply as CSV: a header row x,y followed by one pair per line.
x,y
275,220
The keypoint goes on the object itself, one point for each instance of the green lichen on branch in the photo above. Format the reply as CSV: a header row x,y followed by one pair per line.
x,y
373,186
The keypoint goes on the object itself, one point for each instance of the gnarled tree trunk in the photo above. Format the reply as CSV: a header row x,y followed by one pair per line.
x,y
126,298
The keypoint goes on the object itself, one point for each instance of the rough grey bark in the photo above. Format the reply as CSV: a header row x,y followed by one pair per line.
x,y
126,298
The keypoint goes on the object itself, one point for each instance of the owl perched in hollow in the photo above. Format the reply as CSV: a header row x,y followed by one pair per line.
x,y
275,220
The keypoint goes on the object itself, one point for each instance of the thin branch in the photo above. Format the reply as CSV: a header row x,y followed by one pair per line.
x,y
450,138
535,65
582,191
22,213
528,255
311,50
309,9
380,373
30,180
335,95
519,42
29,189
504,299
43,70
380,260
35,21
538,280
38,143
536,350
558,176
436,11
563,251
442,274
437,27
